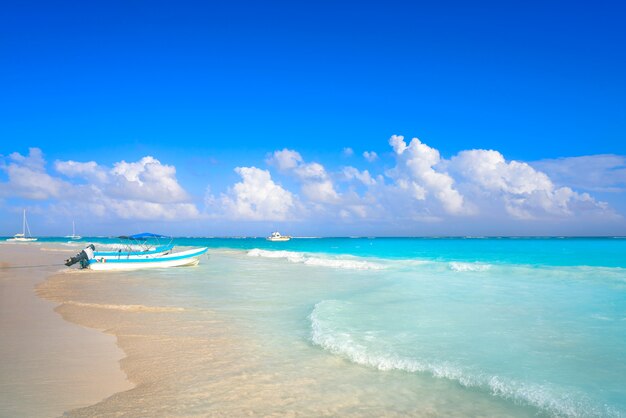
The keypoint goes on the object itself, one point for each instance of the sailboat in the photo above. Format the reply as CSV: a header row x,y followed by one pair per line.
x,y
23,237
73,236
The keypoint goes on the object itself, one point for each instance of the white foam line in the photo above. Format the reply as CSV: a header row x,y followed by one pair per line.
x,y
559,401
461,266
297,257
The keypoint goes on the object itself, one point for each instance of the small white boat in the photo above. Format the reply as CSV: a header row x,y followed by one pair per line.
x,y
277,237
23,237
73,236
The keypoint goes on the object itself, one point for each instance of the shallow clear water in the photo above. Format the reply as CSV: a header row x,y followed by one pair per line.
x,y
515,326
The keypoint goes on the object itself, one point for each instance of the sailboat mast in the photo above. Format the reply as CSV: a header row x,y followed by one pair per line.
x,y
24,223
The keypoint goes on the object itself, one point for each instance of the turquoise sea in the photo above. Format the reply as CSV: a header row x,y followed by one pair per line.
x,y
415,326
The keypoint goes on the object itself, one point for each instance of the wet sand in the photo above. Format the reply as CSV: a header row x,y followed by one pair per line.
x,y
47,365
166,348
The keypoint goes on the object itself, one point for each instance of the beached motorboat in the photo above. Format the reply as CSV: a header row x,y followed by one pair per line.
x,y
130,258
23,237
277,237
177,259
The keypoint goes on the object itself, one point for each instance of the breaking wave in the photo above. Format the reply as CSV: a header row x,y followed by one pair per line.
x,y
555,400
460,266
297,257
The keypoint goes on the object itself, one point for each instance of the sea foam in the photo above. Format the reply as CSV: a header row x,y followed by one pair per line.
x,y
302,258
460,266
555,400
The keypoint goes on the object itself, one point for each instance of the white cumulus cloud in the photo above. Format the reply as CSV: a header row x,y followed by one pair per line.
x,y
27,177
316,184
257,197
352,173
600,173
145,189
525,192
89,170
146,179
370,156
320,191
285,159
473,189
417,170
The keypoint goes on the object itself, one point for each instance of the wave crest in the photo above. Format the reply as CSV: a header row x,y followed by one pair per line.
x,y
297,257
558,401
461,266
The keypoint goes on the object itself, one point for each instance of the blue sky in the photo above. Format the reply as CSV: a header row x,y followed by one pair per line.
x,y
206,87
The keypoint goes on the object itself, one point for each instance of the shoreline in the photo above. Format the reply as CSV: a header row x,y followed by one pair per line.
x,y
233,337
48,365
193,356
157,342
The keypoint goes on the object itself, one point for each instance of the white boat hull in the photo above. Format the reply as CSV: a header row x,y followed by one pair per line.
x,y
131,256
21,239
184,258
277,237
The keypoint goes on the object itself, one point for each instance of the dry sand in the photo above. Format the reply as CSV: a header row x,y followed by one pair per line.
x,y
47,365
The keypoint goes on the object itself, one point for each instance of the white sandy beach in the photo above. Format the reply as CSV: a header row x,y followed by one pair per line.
x,y
47,365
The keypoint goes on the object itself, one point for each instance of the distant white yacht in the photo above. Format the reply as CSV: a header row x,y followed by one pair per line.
x,y
23,237
277,237
73,236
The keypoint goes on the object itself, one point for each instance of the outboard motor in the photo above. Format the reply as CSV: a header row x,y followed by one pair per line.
x,y
83,257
